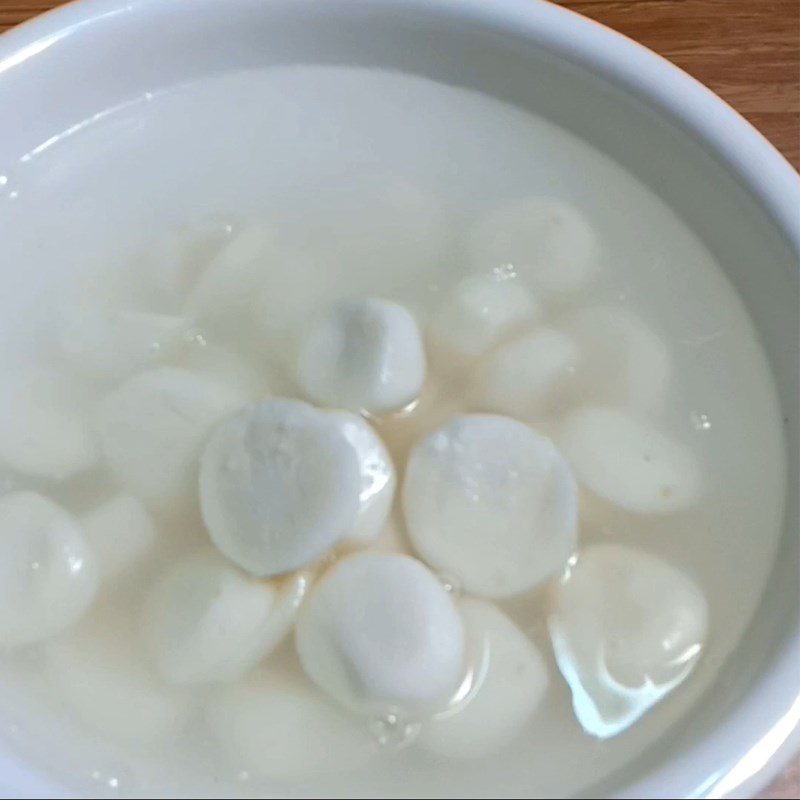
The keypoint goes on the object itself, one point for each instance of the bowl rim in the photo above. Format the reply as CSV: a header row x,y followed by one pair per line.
x,y
763,731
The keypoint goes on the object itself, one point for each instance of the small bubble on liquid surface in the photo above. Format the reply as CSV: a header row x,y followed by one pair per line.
x,y
451,584
700,422
195,338
111,783
504,272
393,730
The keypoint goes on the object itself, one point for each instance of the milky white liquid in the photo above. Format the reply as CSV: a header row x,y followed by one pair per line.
x,y
294,146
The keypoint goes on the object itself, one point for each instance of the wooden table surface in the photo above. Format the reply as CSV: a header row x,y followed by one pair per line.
x,y
748,51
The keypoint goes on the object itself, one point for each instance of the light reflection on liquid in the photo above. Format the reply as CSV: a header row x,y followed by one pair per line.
x,y
479,657
603,706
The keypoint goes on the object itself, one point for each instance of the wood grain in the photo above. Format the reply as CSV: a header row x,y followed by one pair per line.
x,y
748,51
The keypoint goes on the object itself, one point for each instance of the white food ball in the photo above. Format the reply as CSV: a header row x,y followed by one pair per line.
x,y
279,727
112,344
628,462
103,680
378,477
547,241
153,426
48,572
407,225
44,424
508,683
476,315
164,268
379,218
279,486
228,283
297,284
229,369
208,622
623,361
627,628
172,262
492,503
347,227
379,630
526,377
362,355
122,534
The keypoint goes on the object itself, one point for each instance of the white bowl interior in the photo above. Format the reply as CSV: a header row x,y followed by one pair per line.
x,y
74,69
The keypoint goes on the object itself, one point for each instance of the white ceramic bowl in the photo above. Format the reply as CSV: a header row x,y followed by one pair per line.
x,y
740,195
